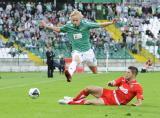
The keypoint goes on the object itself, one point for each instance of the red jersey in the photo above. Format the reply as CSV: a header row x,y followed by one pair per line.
x,y
127,90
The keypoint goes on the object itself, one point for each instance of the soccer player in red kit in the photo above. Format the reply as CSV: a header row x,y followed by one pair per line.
x,y
127,89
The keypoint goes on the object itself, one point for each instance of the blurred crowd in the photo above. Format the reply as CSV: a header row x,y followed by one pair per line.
x,y
20,23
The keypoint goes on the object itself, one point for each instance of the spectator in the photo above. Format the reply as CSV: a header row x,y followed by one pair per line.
x,y
13,51
1,44
146,66
50,55
39,8
62,65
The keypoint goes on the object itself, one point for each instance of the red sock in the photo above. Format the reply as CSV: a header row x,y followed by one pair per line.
x,y
78,102
83,94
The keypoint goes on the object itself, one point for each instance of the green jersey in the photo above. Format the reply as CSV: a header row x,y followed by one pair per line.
x,y
79,35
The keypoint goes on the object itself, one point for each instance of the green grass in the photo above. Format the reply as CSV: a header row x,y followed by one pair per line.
x,y
15,102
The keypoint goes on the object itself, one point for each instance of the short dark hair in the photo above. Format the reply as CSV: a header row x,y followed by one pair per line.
x,y
134,70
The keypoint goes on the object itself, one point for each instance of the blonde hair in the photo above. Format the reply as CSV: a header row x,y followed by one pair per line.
x,y
76,12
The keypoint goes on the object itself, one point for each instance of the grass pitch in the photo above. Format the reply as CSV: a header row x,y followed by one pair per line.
x,y
15,102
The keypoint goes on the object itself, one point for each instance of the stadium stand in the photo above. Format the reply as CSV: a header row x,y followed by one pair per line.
x,y
135,21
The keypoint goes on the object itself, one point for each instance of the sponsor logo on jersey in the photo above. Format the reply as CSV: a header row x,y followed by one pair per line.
x,y
77,36
124,90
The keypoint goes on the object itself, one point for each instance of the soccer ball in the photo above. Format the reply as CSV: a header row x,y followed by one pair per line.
x,y
34,93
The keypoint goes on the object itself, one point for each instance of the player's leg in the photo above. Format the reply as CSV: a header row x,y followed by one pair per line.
x,y
98,101
93,69
79,99
49,71
93,90
76,59
52,71
91,61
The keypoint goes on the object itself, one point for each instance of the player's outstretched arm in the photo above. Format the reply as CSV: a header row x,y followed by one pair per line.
x,y
108,23
138,103
111,83
45,25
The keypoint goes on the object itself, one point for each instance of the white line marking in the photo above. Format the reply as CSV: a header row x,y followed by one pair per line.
x,y
23,85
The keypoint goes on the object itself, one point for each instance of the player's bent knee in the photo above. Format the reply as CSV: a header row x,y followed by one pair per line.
x,y
89,88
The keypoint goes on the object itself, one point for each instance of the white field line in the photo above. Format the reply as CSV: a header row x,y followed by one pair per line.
x,y
23,85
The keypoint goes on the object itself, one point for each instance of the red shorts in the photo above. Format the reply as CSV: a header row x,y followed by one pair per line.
x,y
108,97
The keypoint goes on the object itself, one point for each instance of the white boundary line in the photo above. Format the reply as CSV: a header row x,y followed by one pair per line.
x,y
23,85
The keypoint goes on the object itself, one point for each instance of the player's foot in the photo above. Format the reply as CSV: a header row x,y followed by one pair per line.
x,y
67,98
64,101
68,76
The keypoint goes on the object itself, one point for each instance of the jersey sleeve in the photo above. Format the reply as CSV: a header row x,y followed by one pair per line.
x,y
92,25
118,81
63,28
139,92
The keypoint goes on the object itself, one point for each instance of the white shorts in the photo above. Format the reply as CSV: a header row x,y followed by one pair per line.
x,y
87,57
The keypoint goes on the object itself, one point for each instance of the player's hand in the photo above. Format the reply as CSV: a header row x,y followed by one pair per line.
x,y
138,103
134,104
115,20
110,83
43,23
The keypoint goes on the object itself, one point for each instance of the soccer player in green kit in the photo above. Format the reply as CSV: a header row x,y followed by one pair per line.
x,y
77,30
